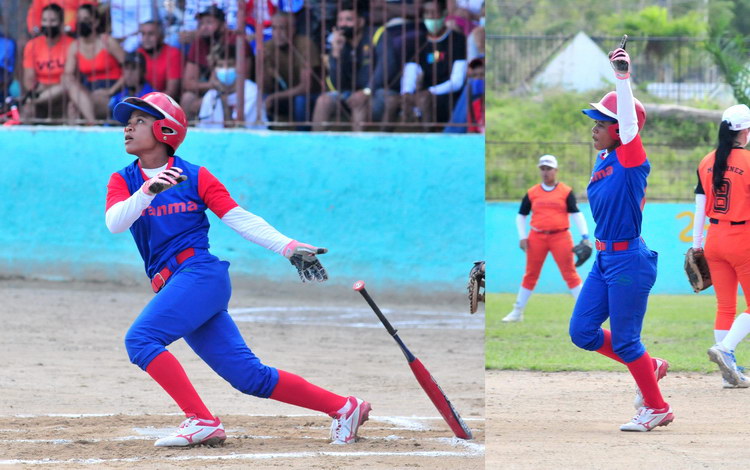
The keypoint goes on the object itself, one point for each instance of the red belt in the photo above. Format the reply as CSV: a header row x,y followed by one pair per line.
x,y
617,246
549,232
162,276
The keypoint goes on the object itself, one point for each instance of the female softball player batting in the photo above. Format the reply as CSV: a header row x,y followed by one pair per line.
x,y
624,271
170,228
549,203
723,194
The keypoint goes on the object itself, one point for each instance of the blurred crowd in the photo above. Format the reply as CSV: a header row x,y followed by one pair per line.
x,y
379,65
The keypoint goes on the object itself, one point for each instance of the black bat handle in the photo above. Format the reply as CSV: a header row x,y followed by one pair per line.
x,y
377,311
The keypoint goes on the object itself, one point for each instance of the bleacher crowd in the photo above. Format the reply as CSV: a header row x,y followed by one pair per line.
x,y
382,65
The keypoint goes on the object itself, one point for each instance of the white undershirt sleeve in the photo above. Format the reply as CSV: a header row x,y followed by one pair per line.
x,y
121,216
699,220
255,229
580,222
521,226
456,82
626,111
409,78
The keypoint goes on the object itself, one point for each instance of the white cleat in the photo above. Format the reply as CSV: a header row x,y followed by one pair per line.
x,y
662,366
345,423
194,432
728,366
649,418
743,384
514,316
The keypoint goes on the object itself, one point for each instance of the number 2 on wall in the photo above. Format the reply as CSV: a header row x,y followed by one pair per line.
x,y
686,235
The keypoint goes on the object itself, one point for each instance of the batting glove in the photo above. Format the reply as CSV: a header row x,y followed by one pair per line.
x,y
163,181
620,61
302,256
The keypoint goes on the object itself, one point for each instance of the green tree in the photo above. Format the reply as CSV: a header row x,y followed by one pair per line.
x,y
727,46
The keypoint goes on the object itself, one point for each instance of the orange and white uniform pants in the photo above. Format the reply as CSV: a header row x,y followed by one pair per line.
x,y
728,254
561,246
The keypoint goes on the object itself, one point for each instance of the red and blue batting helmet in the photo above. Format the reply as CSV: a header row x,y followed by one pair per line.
x,y
171,123
606,110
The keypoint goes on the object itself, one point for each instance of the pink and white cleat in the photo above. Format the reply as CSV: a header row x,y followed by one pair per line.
x,y
649,418
662,366
193,432
348,419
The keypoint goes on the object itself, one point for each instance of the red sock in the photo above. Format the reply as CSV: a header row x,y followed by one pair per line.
x,y
295,390
606,348
642,370
168,372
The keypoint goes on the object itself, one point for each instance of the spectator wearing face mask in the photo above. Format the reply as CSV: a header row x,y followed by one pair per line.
x,y
92,70
197,74
163,62
431,83
43,65
219,105
69,7
350,63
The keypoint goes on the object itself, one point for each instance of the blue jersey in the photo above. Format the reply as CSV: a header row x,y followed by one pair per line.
x,y
176,219
617,191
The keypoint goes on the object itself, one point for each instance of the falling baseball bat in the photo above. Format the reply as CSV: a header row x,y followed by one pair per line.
x,y
423,376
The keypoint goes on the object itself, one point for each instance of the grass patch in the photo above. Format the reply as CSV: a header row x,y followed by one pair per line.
x,y
678,328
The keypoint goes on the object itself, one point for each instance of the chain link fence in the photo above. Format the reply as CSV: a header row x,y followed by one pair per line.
x,y
511,168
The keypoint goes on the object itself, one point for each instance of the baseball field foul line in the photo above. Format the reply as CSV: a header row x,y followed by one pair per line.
x,y
288,455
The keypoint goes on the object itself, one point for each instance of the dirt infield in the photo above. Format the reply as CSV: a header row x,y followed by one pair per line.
x,y
69,398
570,420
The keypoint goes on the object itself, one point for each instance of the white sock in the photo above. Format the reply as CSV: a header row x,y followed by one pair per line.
x,y
523,297
740,329
576,290
719,335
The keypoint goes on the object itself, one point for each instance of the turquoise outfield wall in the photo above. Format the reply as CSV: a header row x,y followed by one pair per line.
x,y
399,210
667,229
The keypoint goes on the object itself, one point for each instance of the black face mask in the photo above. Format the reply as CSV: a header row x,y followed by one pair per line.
x,y
150,50
50,31
348,32
85,29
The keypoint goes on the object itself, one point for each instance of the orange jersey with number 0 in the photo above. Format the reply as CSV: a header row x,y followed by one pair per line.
x,y
731,201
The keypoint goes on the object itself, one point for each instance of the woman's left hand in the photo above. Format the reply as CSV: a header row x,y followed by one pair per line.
x,y
620,61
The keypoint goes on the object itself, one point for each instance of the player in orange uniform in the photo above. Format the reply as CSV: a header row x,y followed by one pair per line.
x,y
550,201
723,194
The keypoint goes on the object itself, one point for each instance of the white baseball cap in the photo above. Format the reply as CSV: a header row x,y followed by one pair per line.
x,y
738,117
551,161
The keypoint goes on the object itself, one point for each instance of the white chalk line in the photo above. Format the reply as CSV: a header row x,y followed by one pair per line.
x,y
472,449
355,317
280,455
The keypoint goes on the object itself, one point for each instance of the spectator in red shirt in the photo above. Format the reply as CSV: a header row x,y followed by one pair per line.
x,y
93,71
163,62
43,66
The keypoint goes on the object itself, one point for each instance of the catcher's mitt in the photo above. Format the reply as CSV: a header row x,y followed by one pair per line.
x,y
582,251
696,268
476,286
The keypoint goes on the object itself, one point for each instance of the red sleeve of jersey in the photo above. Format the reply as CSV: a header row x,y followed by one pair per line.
x,y
214,194
631,154
117,190
174,64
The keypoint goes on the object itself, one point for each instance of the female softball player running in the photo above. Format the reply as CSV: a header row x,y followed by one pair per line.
x,y
549,203
723,194
192,286
625,269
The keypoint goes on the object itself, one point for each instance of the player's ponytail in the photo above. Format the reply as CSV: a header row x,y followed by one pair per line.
x,y
727,138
